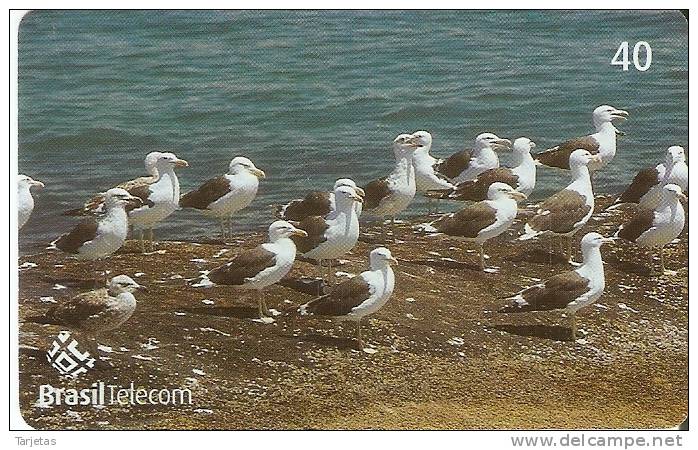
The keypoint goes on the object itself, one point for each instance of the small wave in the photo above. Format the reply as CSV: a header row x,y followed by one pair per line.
x,y
89,138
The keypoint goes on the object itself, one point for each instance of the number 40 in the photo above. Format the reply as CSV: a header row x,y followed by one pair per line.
x,y
621,56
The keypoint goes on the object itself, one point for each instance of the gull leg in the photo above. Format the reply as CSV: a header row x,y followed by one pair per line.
x,y
320,281
261,304
265,308
151,240
482,257
359,339
570,257
141,238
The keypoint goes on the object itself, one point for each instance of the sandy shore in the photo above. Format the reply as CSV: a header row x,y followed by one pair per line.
x,y
443,358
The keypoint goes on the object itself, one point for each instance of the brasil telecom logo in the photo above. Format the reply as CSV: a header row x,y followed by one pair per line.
x,y
66,358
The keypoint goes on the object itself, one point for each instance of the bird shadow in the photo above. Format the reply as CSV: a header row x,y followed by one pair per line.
x,y
554,332
238,311
628,266
341,343
80,283
304,285
538,256
444,263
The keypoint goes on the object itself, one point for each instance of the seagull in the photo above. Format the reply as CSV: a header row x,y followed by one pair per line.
x,y
521,177
569,291
468,164
259,267
224,195
427,178
97,311
658,226
332,237
567,211
483,220
160,198
317,203
389,196
97,237
25,201
359,296
646,188
603,142
96,204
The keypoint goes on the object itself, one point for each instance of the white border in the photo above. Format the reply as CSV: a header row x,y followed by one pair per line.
x,y
496,439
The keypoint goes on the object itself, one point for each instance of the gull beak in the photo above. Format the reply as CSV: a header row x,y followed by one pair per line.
x,y
394,260
608,240
181,163
518,196
619,114
411,142
38,184
140,287
595,158
259,173
501,144
360,191
298,232
358,198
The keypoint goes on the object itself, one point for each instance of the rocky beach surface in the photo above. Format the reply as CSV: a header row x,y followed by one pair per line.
x,y
439,355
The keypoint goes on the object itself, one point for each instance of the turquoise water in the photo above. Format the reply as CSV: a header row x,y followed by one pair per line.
x,y
312,96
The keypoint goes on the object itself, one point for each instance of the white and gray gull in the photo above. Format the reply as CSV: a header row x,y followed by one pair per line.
x,y
468,164
568,291
426,176
481,221
522,177
96,204
97,237
259,267
317,203
359,296
160,197
603,142
646,187
332,236
658,226
568,210
389,196
25,200
223,196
